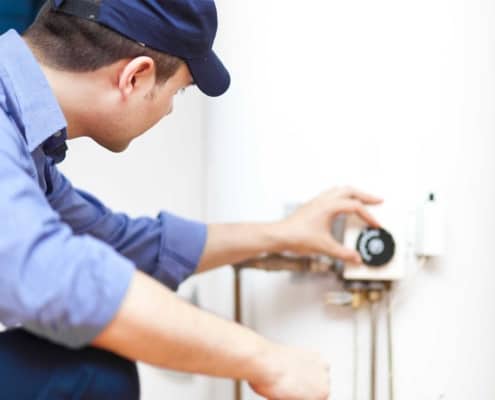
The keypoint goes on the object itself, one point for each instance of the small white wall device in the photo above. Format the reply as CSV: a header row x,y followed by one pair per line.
x,y
430,228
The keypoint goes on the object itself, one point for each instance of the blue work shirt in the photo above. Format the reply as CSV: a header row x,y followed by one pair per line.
x,y
66,260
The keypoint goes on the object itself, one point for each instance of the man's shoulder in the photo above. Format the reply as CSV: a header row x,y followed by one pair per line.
x,y
12,142
9,108
27,96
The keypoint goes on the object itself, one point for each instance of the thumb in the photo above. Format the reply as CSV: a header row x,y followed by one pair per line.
x,y
337,250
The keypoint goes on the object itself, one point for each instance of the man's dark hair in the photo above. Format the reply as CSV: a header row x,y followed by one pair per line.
x,y
68,43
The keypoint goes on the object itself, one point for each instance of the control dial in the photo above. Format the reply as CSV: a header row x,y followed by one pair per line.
x,y
376,246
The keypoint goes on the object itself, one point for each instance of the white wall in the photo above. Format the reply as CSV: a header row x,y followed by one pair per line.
x,y
161,170
392,96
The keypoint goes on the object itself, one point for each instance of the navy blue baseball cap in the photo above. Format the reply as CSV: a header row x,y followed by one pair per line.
x,y
182,28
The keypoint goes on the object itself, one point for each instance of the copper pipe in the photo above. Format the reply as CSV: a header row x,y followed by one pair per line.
x,y
373,360
391,388
374,297
238,319
280,262
355,356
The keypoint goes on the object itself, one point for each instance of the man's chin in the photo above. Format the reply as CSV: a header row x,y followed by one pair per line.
x,y
119,148
115,147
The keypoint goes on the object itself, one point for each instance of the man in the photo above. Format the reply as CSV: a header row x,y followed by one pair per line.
x,y
89,285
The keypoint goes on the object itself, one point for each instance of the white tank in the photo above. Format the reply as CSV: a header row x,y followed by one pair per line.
x,y
394,97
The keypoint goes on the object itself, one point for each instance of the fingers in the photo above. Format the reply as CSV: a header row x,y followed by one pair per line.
x,y
337,250
365,198
356,207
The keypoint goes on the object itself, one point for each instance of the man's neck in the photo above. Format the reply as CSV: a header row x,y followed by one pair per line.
x,y
70,92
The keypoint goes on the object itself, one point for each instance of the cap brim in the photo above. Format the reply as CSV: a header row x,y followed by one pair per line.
x,y
209,74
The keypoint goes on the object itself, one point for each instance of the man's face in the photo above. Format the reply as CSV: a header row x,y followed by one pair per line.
x,y
140,112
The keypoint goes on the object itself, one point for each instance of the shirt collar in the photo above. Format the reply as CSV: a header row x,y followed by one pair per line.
x,y
36,110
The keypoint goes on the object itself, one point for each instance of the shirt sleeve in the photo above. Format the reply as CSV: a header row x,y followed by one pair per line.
x,y
58,285
167,248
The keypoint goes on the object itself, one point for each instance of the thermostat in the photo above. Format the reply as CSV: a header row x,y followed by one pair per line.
x,y
382,249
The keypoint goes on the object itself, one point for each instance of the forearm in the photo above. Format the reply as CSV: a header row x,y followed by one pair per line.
x,y
156,327
232,243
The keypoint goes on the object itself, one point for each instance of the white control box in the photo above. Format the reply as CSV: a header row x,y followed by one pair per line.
x,y
430,228
358,236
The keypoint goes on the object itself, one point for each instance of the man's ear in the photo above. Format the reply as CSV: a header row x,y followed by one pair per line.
x,y
137,76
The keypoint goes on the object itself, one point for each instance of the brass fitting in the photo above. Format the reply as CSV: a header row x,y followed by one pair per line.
x,y
375,296
358,299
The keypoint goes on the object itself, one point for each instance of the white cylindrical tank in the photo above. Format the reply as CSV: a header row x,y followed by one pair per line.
x,y
394,97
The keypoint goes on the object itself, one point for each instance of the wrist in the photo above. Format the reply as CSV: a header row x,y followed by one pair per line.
x,y
264,363
275,234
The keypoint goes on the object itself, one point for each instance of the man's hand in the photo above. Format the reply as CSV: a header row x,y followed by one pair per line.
x,y
156,327
307,231
293,375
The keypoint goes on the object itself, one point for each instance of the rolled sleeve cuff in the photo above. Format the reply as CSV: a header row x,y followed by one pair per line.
x,y
99,300
182,244
116,290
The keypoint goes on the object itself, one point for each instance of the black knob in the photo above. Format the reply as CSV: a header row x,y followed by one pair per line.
x,y
376,246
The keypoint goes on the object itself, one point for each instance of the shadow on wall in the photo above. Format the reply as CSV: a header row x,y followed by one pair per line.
x,y
18,14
